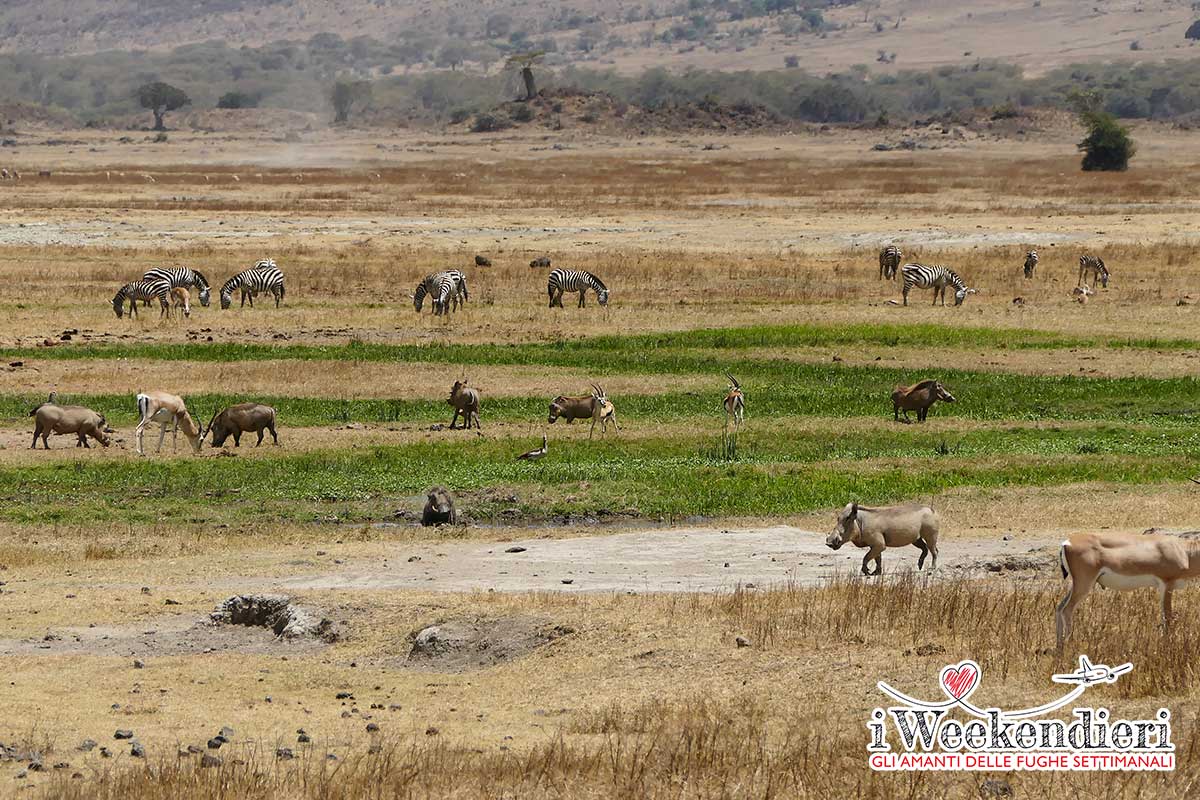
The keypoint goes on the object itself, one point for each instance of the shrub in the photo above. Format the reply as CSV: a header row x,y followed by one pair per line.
x,y
522,113
489,123
237,100
1107,146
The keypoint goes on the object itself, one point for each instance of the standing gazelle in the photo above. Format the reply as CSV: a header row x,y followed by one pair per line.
x,y
735,402
166,409
1123,561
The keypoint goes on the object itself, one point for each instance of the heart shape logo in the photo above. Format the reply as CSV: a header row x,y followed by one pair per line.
x,y
959,680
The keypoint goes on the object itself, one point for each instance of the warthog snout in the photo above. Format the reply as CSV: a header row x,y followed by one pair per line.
x,y
944,395
834,540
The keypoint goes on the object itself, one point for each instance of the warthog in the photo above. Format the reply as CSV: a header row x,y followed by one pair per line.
x,y
239,419
464,401
890,526
595,406
541,262
439,508
918,397
83,422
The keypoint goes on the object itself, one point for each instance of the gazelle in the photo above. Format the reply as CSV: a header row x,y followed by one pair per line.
x,y
735,402
181,298
166,409
1123,561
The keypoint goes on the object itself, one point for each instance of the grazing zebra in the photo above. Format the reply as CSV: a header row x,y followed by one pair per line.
x,y
934,277
141,290
1094,265
181,277
448,290
1031,261
262,277
570,280
889,261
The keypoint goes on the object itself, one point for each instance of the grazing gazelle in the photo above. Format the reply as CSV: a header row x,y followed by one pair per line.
x,y
166,409
735,402
1123,561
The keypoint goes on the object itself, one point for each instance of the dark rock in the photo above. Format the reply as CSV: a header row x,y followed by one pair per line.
x,y
742,641
515,549
343,696
226,733
372,727
215,743
137,750
284,754
995,787
87,745
209,760
303,738
194,749
123,734
105,752
139,664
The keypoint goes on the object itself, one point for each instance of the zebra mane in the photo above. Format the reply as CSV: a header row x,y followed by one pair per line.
x,y
200,279
233,282
596,282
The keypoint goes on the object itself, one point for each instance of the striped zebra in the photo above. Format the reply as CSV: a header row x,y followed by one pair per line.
x,y
1094,265
889,261
570,280
447,289
934,277
182,277
1031,261
141,290
262,277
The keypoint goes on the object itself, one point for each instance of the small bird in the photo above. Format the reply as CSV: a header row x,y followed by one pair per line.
x,y
534,455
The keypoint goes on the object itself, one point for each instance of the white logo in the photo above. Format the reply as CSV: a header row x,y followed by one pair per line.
x,y
1017,740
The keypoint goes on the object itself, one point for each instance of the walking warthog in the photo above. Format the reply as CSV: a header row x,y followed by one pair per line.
x,y
595,406
464,401
83,422
890,526
918,397
439,508
239,419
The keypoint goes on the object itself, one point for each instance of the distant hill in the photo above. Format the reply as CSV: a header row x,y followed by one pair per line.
x,y
627,35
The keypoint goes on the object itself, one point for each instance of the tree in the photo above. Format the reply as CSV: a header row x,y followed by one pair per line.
x,y
160,98
525,62
453,53
1107,146
346,95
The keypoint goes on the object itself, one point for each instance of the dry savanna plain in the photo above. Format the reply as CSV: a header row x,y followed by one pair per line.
x,y
588,603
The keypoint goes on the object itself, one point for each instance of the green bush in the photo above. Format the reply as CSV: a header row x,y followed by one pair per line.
x,y
1107,147
489,123
237,100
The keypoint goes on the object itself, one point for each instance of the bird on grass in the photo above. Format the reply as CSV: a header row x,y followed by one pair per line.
x,y
534,455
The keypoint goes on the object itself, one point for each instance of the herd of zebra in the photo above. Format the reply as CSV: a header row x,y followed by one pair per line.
x,y
448,289
938,278
171,286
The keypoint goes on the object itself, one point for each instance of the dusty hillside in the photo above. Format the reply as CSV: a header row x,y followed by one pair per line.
x,y
629,35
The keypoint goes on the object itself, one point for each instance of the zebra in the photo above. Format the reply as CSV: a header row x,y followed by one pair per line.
x,y
184,277
262,277
1031,262
1094,265
141,290
448,289
934,277
570,280
889,261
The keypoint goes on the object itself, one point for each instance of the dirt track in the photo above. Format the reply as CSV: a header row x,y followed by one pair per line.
x,y
675,560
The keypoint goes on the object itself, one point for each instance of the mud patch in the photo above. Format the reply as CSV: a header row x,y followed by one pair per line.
x,y
276,613
464,645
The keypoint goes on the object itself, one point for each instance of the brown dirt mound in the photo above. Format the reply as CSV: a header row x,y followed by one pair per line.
x,y
462,645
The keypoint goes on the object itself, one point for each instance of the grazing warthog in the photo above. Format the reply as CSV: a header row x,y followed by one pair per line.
x,y
464,401
83,422
239,419
439,508
595,406
890,526
918,397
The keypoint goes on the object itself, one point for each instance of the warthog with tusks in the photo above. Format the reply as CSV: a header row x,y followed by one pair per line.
x,y
918,397
239,419
890,526
439,508
595,406
465,401
83,422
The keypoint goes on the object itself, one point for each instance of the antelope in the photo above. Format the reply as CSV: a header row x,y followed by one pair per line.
x,y
735,402
918,397
890,526
181,298
464,401
166,409
596,405
1123,561
534,455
